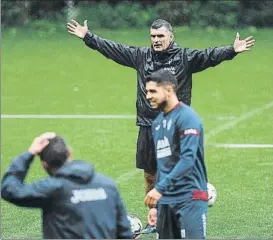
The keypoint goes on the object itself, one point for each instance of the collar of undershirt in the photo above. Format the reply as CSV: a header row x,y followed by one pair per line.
x,y
167,54
176,106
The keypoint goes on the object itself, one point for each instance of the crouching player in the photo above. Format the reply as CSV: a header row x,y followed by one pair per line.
x,y
180,193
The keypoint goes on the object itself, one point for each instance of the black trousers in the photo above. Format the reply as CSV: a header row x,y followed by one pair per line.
x,y
145,154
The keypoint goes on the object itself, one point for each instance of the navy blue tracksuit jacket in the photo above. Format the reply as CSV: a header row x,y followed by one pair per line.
x,y
76,203
181,170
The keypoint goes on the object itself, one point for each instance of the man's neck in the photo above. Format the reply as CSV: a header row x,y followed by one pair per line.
x,y
171,104
53,171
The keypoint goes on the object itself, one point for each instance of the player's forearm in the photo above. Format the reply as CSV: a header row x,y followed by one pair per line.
x,y
210,57
220,54
89,40
13,178
178,172
20,165
188,148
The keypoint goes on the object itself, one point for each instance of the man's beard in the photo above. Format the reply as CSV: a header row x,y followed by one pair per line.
x,y
162,105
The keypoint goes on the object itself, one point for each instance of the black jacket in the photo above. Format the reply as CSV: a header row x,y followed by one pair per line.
x,y
183,62
77,203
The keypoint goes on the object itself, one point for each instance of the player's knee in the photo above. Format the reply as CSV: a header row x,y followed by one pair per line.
x,y
194,231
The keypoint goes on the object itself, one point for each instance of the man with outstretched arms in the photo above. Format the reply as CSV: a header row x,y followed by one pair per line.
x,y
164,53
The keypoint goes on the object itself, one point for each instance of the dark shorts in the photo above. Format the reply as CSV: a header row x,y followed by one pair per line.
x,y
145,154
177,221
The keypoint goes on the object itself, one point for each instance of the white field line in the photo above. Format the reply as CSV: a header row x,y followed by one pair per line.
x,y
86,116
128,116
232,123
131,174
225,118
128,175
234,145
65,116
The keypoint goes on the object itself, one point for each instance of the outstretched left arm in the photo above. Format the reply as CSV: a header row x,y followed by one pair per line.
x,y
199,60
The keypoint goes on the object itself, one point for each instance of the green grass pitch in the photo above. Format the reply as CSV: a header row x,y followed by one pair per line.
x,y
56,74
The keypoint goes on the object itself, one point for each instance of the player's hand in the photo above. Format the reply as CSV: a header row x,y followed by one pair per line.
x,y
76,29
40,142
243,45
152,198
152,217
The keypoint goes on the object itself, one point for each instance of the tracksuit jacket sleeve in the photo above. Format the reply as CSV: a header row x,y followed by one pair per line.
x,y
189,142
120,53
199,60
14,190
123,224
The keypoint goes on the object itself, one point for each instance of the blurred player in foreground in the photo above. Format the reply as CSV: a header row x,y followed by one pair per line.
x,y
180,194
164,53
76,202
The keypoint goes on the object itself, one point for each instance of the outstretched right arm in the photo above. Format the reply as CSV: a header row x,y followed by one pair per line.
x,y
13,188
34,195
120,53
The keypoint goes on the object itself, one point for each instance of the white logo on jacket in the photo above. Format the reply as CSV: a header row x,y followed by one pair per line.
x,y
169,124
164,123
170,69
86,195
163,148
191,131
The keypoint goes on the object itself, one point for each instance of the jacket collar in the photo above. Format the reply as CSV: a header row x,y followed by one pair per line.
x,y
167,54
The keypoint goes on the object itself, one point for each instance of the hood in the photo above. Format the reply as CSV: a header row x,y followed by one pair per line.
x,y
168,53
77,170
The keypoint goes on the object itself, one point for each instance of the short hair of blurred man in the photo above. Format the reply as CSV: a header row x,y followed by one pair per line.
x,y
162,23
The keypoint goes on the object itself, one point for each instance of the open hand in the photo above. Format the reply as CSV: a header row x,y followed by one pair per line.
x,y
40,142
76,29
243,45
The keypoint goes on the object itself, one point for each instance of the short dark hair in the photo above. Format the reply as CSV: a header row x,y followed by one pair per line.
x,y
55,153
161,23
163,77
